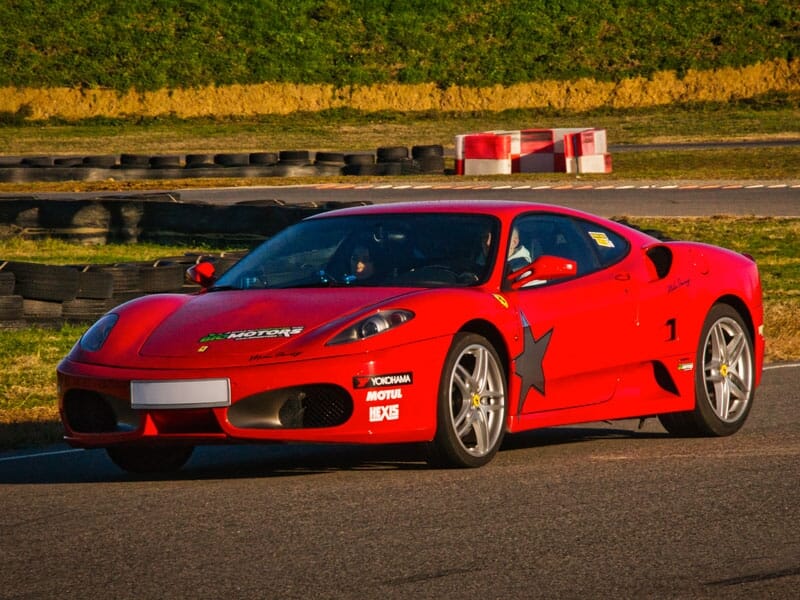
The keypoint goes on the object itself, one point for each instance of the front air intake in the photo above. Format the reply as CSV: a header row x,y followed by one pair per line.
x,y
299,407
86,411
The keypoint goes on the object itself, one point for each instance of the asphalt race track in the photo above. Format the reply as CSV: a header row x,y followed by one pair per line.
x,y
600,511
776,199
610,200
606,510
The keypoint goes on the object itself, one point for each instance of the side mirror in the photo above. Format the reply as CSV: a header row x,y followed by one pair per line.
x,y
542,270
203,274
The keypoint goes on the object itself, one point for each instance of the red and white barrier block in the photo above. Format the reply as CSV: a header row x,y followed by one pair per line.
x,y
591,151
562,150
483,154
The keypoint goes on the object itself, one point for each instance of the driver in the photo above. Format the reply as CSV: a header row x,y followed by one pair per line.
x,y
518,255
362,265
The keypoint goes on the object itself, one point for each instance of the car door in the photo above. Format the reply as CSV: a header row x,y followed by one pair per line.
x,y
579,331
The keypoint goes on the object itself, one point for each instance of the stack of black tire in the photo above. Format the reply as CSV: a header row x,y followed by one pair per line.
x,y
51,294
10,304
389,160
395,160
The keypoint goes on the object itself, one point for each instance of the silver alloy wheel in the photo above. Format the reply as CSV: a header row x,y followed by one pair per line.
x,y
477,400
728,370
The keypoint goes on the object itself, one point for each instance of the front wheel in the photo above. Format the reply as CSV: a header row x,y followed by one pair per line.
x,y
149,459
471,410
724,380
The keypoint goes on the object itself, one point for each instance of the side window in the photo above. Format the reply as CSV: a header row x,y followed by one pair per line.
x,y
553,235
590,246
607,245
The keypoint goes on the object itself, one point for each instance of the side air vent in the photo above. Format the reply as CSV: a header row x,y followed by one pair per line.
x,y
663,378
661,257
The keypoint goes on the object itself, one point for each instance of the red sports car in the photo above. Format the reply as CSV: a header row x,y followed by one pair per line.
x,y
450,323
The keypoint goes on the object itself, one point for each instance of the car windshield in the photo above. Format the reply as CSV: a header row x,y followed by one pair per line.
x,y
406,250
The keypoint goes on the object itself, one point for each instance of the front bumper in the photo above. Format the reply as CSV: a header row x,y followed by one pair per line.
x,y
388,396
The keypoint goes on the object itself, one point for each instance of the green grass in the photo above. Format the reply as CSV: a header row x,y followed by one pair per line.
x,y
145,45
61,252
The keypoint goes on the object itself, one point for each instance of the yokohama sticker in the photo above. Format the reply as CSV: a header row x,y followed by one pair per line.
x,y
373,381
253,334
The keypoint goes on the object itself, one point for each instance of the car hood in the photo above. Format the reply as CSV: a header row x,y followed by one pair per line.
x,y
238,323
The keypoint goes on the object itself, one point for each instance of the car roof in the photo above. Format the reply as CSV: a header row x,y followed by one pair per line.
x,y
500,208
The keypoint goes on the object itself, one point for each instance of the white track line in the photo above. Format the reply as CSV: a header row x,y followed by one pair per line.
x,y
38,454
782,366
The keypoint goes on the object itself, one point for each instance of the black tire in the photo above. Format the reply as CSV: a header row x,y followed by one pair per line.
x,y
165,162
232,160
294,157
37,161
7,281
195,161
390,168
359,158
44,282
11,308
149,459
85,310
431,164
724,378
42,309
471,405
161,278
68,161
264,158
329,158
392,153
94,285
427,151
360,169
134,161
102,161
125,276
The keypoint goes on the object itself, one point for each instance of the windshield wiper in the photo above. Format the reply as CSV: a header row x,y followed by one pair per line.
x,y
222,288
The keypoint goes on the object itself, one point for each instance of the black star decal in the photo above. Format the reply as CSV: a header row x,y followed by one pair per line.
x,y
529,362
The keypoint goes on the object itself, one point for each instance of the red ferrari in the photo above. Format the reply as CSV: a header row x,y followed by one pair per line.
x,y
448,323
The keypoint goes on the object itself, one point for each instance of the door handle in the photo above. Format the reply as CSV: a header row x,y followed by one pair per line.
x,y
623,276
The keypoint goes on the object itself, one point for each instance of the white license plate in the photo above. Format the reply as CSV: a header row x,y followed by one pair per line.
x,y
185,393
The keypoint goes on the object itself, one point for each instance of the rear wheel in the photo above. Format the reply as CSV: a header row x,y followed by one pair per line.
x,y
471,412
149,459
724,378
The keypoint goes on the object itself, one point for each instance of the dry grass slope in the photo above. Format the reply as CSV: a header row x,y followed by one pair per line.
x,y
664,88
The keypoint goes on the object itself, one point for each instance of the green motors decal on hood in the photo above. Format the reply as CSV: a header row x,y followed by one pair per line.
x,y
253,334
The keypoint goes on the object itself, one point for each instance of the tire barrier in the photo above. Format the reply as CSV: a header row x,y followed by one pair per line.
x,y
157,218
32,293
427,159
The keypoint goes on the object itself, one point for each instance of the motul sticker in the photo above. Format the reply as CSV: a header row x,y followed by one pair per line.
x,y
381,395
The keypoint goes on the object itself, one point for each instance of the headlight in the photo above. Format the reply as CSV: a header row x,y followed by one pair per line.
x,y
96,335
373,325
